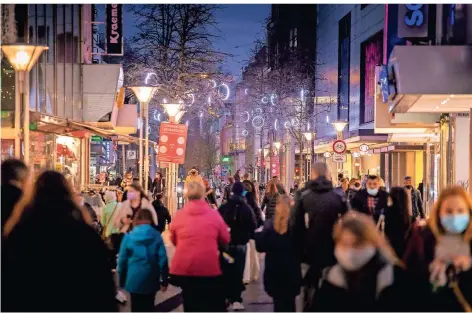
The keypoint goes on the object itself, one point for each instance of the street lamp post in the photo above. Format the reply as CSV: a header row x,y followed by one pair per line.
x,y
310,137
144,95
175,113
22,58
339,126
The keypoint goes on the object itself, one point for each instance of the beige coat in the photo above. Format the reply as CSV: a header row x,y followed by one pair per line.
x,y
125,210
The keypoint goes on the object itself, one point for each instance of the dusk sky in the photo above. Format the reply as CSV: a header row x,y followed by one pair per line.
x,y
239,25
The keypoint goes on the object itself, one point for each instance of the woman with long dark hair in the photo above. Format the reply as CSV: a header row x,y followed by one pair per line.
x,y
270,199
52,260
398,219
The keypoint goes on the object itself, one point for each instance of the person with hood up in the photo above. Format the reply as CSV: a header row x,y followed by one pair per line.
x,y
241,220
142,263
282,275
317,209
198,233
439,256
367,277
14,176
163,215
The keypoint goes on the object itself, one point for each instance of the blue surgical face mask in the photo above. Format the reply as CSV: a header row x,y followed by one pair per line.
x,y
455,223
244,193
372,192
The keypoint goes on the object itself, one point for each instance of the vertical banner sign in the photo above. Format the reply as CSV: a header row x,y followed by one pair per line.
x,y
172,142
114,28
275,170
95,36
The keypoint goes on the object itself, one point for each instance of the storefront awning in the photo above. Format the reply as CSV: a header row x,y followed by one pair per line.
x,y
434,79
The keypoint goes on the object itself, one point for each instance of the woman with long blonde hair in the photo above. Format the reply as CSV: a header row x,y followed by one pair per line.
x,y
367,276
282,276
438,256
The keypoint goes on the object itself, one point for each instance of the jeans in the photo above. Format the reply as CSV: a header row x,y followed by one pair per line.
x,y
142,303
233,273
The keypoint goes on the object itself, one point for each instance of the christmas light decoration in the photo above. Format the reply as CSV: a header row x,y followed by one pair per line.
x,y
156,115
148,77
287,124
245,120
273,98
265,100
258,122
295,122
276,124
213,83
227,94
246,91
245,133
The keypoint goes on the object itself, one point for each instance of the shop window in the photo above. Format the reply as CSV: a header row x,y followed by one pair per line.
x,y
68,159
8,149
41,151
371,56
7,94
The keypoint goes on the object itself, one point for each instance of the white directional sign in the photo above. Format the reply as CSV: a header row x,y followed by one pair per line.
x,y
339,158
131,154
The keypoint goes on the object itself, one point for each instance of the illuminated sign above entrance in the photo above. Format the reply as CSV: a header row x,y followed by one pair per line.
x,y
413,20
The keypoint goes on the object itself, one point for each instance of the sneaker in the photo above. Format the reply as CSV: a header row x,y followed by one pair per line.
x,y
237,306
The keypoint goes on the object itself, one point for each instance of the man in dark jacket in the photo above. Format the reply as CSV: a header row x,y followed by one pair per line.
x,y
241,220
163,215
14,175
317,209
416,201
228,188
372,200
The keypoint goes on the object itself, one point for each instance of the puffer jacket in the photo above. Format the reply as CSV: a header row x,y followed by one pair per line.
x,y
269,203
314,240
142,263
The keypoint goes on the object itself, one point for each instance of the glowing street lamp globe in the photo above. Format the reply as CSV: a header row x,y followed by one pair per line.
x,y
144,93
339,126
173,109
22,57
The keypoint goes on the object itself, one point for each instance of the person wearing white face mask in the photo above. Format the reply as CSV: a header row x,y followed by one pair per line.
x,y
438,256
372,200
367,277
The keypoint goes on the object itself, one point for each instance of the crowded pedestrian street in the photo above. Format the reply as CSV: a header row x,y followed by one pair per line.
x,y
236,157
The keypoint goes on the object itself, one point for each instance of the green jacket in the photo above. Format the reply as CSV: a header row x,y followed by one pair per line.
x,y
107,218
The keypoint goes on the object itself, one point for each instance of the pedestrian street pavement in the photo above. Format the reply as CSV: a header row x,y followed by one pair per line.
x,y
255,298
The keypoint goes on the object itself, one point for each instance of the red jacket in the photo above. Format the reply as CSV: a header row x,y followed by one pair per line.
x,y
196,232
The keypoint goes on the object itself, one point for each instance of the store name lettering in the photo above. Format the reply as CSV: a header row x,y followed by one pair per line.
x,y
115,35
414,15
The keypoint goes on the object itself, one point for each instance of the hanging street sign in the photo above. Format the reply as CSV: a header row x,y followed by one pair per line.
x,y
339,146
339,158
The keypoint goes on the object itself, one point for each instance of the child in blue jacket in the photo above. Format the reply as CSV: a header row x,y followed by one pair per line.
x,y
142,263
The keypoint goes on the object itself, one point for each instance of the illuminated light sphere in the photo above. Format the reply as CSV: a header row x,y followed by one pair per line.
x,y
258,121
156,115
148,77
295,122
246,91
245,120
258,110
356,155
287,124
213,83
265,100
186,123
273,98
201,114
149,129
224,95
209,100
192,99
245,133
276,122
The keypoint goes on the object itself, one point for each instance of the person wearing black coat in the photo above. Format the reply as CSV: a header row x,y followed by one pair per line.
x,y
282,275
397,220
14,174
317,209
242,223
163,215
372,200
52,260
270,199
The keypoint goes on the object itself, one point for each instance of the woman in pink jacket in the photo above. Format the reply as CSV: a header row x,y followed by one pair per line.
x,y
198,232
